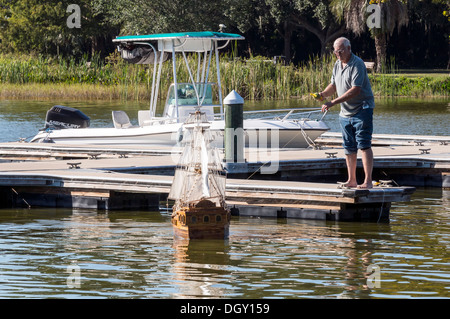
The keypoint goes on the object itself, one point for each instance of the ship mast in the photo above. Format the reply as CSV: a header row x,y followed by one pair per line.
x,y
199,174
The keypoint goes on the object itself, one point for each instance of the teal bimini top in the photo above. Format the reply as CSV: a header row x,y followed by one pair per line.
x,y
181,36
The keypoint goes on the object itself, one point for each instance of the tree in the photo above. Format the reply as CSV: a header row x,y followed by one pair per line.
x,y
42,27
251,18
29,25
160,16
428,30
316,17
431,14
313,16
393,14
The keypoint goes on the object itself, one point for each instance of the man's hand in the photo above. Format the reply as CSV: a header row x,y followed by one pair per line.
x,y
326,106
351,93
317,96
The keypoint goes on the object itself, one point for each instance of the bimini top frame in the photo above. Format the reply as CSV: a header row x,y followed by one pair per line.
x,y
204,44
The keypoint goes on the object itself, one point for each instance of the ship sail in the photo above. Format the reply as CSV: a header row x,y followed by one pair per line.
x,y
199,174
205,174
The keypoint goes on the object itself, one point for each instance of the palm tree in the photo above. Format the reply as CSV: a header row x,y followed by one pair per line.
x,y
393,14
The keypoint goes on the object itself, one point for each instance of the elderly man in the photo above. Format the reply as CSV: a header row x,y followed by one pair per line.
x,y
355,96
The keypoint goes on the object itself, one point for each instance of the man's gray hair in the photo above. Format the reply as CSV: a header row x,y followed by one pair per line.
x,y
343,40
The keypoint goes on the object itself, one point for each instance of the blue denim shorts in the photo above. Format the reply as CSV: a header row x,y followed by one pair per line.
x,y
357,131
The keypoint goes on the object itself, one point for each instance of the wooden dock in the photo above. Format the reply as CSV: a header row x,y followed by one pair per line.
x,y
102,189
297,183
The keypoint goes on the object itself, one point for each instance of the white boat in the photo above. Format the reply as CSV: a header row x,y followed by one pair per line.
x,y
70,126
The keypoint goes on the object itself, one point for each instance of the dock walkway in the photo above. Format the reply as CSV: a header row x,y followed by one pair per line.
x,y
130,178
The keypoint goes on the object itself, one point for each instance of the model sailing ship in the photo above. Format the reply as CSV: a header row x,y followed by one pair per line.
x,y
198,187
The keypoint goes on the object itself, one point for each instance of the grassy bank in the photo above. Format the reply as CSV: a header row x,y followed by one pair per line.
x,y
38,77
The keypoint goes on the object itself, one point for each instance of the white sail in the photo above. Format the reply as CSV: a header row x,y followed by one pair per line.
x,y
199,174
204,165
177,188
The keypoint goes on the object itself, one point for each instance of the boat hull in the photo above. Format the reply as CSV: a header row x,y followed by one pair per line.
x,y
201,223
193,233
258,133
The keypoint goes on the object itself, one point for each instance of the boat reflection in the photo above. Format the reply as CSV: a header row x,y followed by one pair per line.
x,y
201,268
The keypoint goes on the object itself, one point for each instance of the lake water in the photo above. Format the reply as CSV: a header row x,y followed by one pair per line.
x,y
65,253
133,255
23,119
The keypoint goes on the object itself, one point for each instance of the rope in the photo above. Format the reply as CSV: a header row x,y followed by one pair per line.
x,y
307,139
18,195
382,204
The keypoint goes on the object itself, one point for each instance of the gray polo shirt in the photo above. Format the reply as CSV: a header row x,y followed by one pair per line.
x,y
353,74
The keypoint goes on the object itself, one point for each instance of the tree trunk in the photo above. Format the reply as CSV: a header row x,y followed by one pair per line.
x,y
448,52
323,47
380,46
324,36
287,41
331,35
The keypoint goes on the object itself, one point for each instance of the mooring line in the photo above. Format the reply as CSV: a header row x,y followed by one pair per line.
x,y
382,204
305,136
23,199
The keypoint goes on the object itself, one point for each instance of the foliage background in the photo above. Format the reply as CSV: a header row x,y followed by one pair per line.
x,y
38,49
296,29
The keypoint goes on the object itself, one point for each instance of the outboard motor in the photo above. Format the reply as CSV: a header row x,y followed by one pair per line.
x,y
62,117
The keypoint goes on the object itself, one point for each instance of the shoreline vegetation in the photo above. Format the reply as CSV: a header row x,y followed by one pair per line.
x,y
258,78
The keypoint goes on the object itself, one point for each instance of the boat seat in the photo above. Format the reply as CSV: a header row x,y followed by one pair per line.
x,y
144,118
121,119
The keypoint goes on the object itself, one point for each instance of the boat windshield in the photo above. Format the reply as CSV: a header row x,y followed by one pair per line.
x,y
207,94
208,99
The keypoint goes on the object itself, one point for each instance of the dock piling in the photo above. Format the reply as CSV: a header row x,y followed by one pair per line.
x,y
234,139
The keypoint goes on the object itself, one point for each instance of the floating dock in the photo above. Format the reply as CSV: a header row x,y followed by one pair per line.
x,y
289,183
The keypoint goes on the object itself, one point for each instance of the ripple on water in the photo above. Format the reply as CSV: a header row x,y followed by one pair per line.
x,y
133,254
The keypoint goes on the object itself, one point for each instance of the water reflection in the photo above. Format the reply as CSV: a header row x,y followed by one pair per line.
x,y
314,257
200,268
134,255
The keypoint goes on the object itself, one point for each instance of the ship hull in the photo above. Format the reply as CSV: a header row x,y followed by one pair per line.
x,y
201,222
197,233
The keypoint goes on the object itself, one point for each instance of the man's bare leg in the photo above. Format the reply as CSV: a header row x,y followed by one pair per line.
x,y
367,160
351,160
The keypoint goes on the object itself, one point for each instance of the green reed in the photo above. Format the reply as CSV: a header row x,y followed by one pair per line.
x,y
254,79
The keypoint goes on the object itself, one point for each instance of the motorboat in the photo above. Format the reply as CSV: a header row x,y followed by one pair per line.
x,y
292,128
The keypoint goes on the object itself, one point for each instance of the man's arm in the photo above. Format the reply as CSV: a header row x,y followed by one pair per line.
x,y
351,93
329,90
